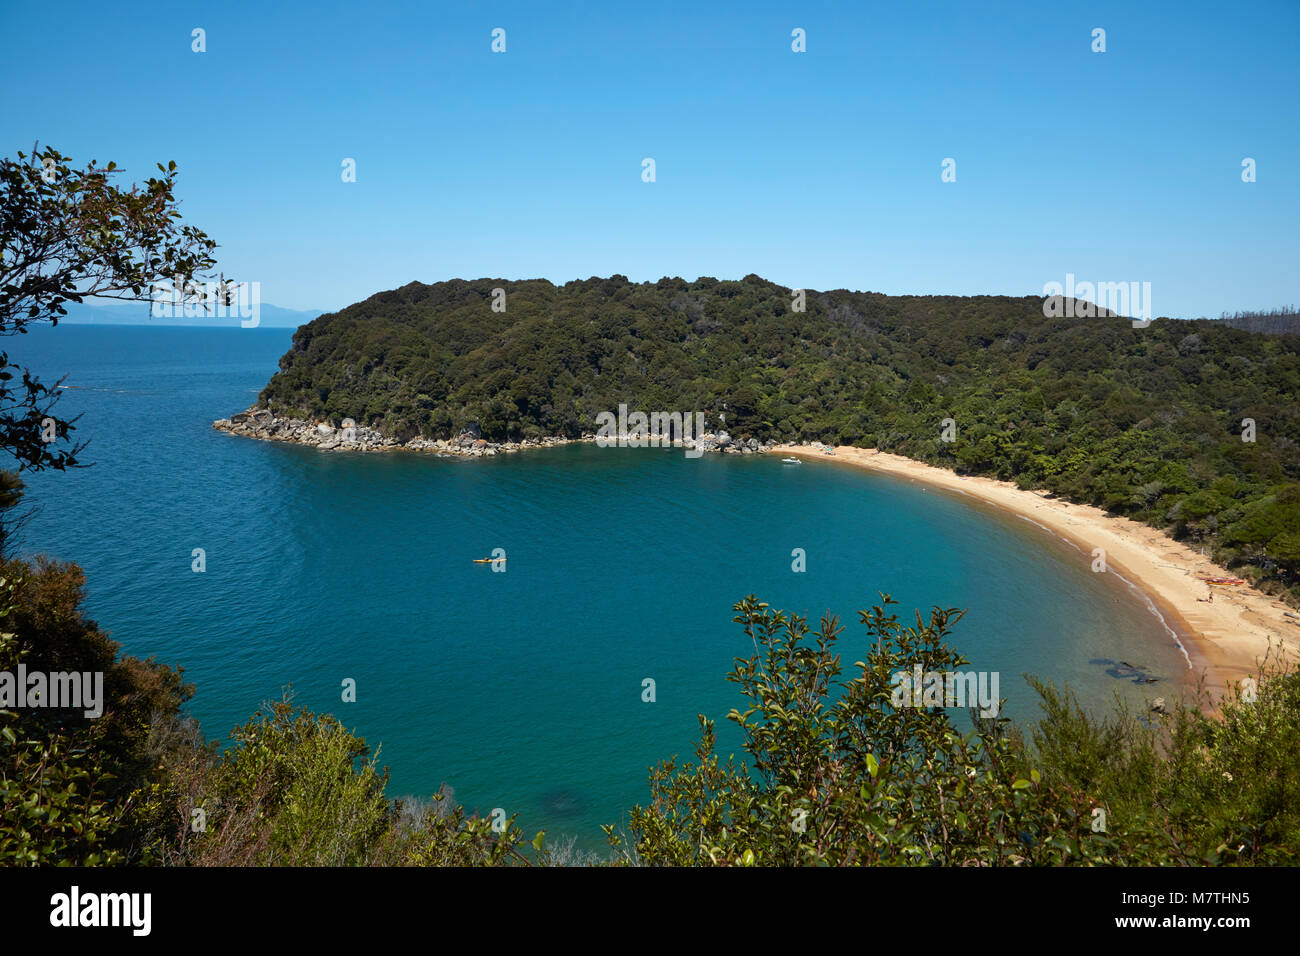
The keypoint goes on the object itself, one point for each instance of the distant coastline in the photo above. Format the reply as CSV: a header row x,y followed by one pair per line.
x,y
1224,638
115,314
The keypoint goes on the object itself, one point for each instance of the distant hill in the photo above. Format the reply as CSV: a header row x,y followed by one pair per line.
x,y
138,313
1284,321
1189,425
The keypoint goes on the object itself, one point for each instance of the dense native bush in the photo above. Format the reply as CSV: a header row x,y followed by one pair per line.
x,y
837,774
834,773
293,788
1148,423
71,786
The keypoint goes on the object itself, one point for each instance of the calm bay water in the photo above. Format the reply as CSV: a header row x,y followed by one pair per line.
x,y
520,690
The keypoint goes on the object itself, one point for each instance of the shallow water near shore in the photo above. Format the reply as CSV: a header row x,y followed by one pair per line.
x,y
520,690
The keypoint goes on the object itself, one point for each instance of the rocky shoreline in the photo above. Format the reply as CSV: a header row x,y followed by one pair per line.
x,y
262,424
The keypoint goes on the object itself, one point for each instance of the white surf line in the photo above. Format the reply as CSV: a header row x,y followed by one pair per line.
x,y
1151,605
1048,530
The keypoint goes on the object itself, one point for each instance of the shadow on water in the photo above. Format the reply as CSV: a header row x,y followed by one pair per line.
x,y
562,804
1123,670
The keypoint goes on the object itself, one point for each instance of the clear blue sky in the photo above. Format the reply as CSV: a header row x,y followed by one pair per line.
x,y
818,170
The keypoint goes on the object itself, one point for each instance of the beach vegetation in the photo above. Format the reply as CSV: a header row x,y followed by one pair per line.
x,y
1188,426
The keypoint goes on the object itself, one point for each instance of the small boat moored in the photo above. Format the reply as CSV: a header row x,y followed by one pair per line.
x,y
791,461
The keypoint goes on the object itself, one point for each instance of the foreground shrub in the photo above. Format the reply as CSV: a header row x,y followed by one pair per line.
x,y
838,774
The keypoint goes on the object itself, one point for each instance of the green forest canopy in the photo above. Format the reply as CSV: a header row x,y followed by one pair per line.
x,y
1145,422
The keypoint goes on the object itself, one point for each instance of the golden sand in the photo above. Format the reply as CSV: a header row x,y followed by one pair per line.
x,y
1225,638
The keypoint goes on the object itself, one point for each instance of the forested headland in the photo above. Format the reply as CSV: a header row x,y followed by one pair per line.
x,y
1145,421
1189,425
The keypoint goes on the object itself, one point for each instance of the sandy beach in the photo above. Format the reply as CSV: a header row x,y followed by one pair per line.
x,y
1224,638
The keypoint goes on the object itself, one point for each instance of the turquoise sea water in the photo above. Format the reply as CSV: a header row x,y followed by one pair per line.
x,y
520,690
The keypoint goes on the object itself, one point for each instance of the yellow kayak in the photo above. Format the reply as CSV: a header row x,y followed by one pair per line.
x,y
487,560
